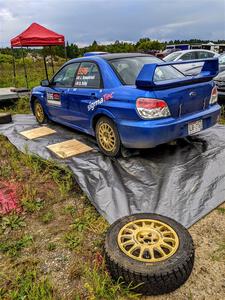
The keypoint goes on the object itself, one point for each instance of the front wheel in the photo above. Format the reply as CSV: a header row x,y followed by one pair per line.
x,y
107,136
39,113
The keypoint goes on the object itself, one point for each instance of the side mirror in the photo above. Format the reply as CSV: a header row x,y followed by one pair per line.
x,y
45,82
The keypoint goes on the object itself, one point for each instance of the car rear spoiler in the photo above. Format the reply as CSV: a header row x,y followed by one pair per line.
x,y
145,79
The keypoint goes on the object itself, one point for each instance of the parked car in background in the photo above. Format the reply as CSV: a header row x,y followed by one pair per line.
x,y
222,62
194,67
128,99
220,83
166,52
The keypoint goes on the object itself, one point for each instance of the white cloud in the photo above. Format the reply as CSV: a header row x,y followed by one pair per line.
x,y
6,15
82,21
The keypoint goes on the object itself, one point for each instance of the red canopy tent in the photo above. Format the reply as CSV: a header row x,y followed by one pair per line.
x,y
37,36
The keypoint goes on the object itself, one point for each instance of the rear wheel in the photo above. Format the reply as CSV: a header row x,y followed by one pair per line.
x,y
108,137
39,113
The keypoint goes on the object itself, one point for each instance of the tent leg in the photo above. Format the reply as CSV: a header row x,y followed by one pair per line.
x,y
25,70
14,68
53,71
46,70
65,52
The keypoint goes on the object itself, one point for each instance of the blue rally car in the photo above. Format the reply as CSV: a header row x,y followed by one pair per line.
x,y
131,100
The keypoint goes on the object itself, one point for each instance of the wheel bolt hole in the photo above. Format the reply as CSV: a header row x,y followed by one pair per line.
x,y
147,240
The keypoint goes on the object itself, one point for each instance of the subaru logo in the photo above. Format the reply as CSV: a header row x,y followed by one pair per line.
x,y
192,94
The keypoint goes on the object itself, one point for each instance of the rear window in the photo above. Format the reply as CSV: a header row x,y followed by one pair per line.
x,y
172,56
129,68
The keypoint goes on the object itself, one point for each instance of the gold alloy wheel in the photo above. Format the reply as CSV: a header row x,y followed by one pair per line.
x,y
148,240
107,137
39,113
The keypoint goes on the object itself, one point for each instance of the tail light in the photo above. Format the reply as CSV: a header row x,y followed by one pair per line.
x,y
214,96
149,108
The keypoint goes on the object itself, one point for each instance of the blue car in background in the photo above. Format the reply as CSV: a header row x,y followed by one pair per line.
x,y
131,100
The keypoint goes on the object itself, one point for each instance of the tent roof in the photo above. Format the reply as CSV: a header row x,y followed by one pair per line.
x,y
36,35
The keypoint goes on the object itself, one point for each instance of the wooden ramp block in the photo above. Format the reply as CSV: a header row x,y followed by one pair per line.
x,y
37,132
69,148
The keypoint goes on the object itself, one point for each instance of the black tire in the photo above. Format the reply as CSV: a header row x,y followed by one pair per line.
x,y
43,119
153,278
5,118
115,151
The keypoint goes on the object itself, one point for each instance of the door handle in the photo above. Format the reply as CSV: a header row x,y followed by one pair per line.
x,y
93,96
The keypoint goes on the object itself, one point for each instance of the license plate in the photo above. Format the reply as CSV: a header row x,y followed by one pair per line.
x,y
194,127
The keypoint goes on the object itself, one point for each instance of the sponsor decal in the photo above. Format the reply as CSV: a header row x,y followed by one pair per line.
x,y
82,80
54,99
105,97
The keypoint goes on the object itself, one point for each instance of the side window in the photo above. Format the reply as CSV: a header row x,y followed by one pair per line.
x,y
203,55
88,76
188,56
65,77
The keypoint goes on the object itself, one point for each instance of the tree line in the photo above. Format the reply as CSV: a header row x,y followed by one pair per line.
x,y
143,45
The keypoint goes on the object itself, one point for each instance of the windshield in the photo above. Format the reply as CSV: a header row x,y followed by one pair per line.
x,y
171,56
128,69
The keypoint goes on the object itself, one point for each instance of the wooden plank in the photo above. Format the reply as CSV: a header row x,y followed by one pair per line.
x,y
37,132
69,148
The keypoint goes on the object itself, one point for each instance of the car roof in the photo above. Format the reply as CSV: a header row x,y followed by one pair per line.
x,y
110,56
195,50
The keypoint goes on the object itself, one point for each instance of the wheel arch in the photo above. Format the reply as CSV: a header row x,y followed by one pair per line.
x,y
98,115
32,99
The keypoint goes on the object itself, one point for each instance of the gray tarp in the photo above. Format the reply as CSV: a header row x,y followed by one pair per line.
x,y
183,181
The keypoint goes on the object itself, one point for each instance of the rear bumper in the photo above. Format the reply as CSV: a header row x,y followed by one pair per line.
x,y
148,134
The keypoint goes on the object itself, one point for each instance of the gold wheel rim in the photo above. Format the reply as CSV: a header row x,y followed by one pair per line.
x,y
107,137
39,113
148,240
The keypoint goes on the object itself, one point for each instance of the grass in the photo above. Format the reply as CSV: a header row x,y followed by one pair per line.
x,y
47,217
28,286
98,281
221,210
13,248
219,253
51,246
35,73
12,222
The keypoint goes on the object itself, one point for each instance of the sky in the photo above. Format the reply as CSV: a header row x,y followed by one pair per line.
x,y
82,21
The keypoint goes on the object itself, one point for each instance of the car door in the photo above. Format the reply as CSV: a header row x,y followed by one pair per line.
x,y
57,96
86,93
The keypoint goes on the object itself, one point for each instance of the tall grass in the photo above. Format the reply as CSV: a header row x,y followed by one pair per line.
x,y
35,72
